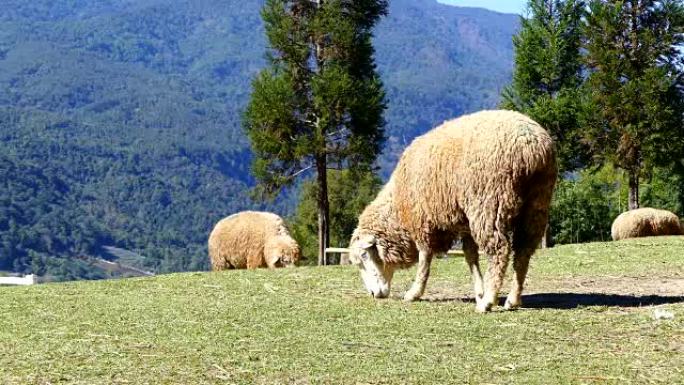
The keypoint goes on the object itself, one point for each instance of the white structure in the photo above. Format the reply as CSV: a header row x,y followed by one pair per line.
x,y
25,281
343,250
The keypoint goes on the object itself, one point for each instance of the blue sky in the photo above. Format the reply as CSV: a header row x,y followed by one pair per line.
x,y
506,6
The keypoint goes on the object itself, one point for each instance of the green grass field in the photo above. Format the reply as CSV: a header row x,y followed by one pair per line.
x,y
588,318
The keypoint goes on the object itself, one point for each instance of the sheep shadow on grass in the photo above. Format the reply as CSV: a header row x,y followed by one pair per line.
x,y
576,300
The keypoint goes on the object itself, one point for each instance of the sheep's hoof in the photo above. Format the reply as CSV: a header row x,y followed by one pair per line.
x,y
483,307
412,296
509,305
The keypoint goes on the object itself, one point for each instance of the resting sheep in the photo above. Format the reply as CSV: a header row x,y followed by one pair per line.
x,y
487,178
645,222
251,239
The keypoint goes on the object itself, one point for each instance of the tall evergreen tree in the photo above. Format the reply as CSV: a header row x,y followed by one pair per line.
x,y
548,73
635,80
320,102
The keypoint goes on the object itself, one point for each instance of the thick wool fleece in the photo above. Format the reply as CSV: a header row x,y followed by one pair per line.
x,y
645,222
251,239
489,175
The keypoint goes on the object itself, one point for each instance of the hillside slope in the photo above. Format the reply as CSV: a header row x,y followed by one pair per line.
x,y
134,107
588,317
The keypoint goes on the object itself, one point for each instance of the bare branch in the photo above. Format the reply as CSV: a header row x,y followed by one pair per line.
x,y
338,132
305,169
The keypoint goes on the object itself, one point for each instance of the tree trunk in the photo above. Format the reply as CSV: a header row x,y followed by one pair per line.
x,y
633,190
322,171
323,208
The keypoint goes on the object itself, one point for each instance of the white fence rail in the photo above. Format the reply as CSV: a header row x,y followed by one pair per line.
x,y
344,260
19,281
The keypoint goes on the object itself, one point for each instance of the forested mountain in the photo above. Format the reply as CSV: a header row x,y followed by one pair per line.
x,y
120,120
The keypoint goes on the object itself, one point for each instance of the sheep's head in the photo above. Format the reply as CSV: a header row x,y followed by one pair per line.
x,y
366,253
281,251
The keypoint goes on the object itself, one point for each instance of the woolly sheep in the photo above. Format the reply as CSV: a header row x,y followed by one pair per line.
x,y
487,178
252,239
645,222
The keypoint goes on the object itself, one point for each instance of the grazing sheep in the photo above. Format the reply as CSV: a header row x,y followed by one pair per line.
x,y
486,178
645,222
251,239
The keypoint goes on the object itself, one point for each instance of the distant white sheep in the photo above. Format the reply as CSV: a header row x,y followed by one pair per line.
x,y
252,239
645,222
487,178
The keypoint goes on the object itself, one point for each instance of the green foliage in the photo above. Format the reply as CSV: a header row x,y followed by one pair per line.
x,y
69,199
625,107
136,107
584,207
548,74
321,96
635,81
664,189
34,225
349,193
320,102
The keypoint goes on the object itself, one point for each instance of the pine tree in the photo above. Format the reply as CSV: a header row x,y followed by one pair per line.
x,y
635,80
548,74
319,104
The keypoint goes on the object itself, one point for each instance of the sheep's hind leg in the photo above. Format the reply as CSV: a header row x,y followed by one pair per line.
x,y
418,287
473,260
528,234
496,272
521,262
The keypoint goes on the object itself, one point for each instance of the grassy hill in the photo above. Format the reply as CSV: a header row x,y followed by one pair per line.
x,y
126,114
588,319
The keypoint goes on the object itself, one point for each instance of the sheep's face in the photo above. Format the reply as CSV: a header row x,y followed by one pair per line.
x,y
364,252
282,251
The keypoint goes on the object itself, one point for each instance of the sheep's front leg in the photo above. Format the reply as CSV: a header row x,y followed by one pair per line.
x,y
472,258
418,287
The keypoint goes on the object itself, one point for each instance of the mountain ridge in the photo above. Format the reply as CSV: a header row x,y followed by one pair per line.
x,y
136,106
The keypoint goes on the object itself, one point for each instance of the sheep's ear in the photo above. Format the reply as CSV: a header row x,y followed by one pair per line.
x,y
367,241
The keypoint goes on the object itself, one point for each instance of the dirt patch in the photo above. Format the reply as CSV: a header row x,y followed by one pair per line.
x,y
576,292
613,285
